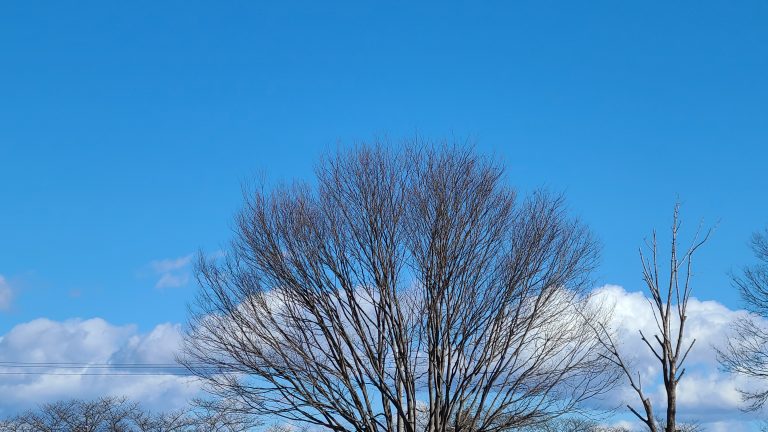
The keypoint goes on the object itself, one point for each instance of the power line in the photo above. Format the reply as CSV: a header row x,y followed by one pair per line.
x,y
107,369
97,374
91,367
10,363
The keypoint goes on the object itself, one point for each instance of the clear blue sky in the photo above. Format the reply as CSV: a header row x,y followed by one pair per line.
x,y
126,128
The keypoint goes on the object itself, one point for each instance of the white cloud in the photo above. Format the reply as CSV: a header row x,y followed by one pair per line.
x,y
6,294
728,426
168,265
170,280
172,272
93,341
705,394
158,346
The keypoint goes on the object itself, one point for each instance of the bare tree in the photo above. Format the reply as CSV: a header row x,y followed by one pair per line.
x,y
574,424
408,291
746,352
669,304
105,414
112,414
583,424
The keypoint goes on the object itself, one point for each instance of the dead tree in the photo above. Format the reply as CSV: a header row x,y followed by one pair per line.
x,y
746,352
669,303
408,291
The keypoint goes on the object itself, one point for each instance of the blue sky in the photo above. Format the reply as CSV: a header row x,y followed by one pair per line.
x,y
127,128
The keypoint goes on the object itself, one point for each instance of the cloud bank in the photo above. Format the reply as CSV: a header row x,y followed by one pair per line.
x,y
92,341
705,394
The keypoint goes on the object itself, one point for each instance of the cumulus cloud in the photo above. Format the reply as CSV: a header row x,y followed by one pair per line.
x,y
172,272
82,342
6,294
705,394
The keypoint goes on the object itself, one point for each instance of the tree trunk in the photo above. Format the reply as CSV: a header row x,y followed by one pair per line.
x,y
671,407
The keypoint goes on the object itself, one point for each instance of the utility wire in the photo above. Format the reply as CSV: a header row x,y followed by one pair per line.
x,y
108,369
18,363
96,374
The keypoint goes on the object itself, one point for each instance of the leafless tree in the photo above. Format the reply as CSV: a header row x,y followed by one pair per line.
x,y
583,424
111,414
746,352
105,414
573,424
669,304
408,291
